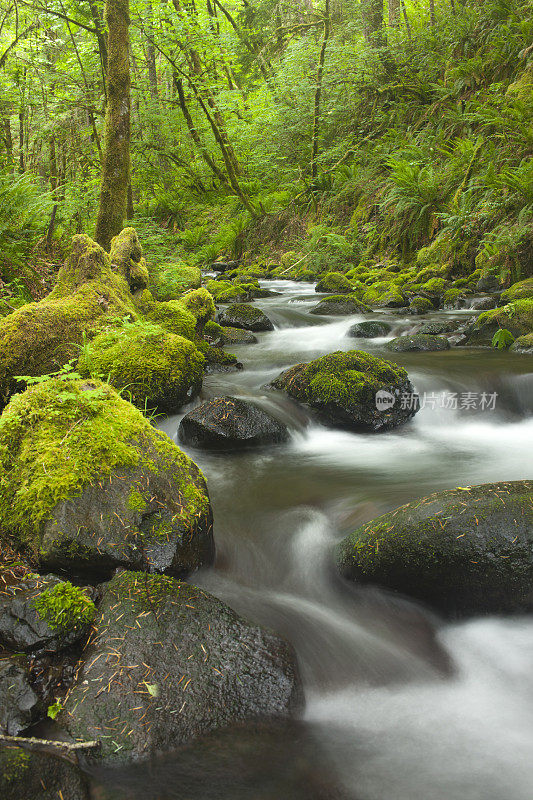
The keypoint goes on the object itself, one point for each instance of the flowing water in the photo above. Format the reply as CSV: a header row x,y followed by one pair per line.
x,y
400,705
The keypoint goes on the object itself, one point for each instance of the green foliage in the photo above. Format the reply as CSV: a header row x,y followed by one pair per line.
x,y
65,606
502,339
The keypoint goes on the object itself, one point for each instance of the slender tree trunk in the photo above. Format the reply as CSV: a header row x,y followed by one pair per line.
x,y
116,157
432,12
394,13
372,11
21,140
318,93
8,139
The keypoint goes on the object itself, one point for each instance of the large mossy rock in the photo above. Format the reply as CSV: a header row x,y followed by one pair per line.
x,y
158,370
229,423
420,305
170,281
40,337
44,612
524,344
87,484
334,282
237,336
418,341
384,295
169,662
464,550
246,317
340,305
19,705
39,775
369,330
522,290
516,317
341,388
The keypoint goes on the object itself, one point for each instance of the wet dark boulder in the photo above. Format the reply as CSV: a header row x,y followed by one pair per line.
x,y
102,487
44,613
168,663
340,305
223,266
246,317
437,328
482,303
418,341
19,705
464,551
228,423
488,283
39,775
352,390
369,330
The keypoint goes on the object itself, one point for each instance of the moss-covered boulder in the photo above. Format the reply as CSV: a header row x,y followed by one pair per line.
x,y
170,281
39,775
218,360
369,330
87,484
44,612
418,341
420,305
340,305
522,290
352,390
227,292
384,295
454,299
237,336
438,327
169,662
516,317
524,344
245,317
157,369
39,338
229,423
19,704
464,550
334,282
127,258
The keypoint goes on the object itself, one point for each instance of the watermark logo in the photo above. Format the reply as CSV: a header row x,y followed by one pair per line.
x,y
384,400
462,401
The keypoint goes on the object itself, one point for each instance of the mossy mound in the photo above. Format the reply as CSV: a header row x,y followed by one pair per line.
x,y
217,360
334,282
516,317
173,316
127,258
169,662
454,299
384,295
170,281
226,292
44,613
369,330
87,484
464,550
237,336
40,337
420,305
246,317
418,341
345,390
340,305
524,344
200,303
157,369
518,291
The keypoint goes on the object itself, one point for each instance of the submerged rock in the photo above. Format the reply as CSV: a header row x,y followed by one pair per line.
x,y
39,775
102,487
247,317
230,423
418,341
44,613
168,663
19,705
340,305
352,390
465,550
369,330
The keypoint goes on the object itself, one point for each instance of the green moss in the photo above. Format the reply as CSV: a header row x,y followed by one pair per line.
x,y
65,606
60,436
451,296
516,317
518,291
384,294
14,762
173,316
434,286
420,305
146,361
172,280
200,303
126,257
334,282
136,501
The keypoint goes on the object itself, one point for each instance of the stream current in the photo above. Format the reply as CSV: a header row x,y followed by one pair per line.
x,y
399,704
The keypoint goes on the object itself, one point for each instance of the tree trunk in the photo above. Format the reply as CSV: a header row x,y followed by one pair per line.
x,y
116,158
394,13
318,92
372,11
21,141
432,12
8,139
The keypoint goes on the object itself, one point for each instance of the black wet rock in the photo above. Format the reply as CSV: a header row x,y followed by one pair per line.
x,y
437,328
19,704
341,305
418,341
39,775
369,330
246,317
229,423
237,336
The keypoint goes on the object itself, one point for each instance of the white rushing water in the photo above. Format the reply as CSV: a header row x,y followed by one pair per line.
x,y
407,708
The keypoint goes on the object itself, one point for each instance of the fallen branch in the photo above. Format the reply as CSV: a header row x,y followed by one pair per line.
x,y
48,743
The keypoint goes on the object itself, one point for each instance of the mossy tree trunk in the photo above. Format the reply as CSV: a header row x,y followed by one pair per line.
x,y
116,158
318,93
